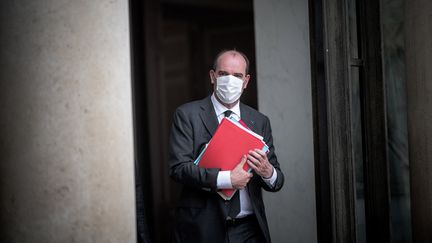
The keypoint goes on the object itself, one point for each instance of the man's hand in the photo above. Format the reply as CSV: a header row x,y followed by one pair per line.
x,y
240,177
258,161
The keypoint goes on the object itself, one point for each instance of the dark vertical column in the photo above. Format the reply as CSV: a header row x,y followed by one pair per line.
x,y
374,127
322,183
419,89
155,102
340,154
141,130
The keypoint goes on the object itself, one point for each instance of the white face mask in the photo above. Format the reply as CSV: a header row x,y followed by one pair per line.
x,y
229,88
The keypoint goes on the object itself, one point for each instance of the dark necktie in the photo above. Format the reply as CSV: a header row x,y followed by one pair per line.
x,y
227,113
234,203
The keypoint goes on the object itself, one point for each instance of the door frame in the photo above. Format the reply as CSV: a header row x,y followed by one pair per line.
x,y
332,60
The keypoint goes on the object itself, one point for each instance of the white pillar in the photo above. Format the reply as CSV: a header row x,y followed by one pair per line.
x,y
285,95
66,135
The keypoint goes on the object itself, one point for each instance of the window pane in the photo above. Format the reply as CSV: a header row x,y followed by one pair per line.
x,y
353,29
357,147
392,17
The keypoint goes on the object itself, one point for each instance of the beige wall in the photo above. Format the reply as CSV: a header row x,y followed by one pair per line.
x,y
285,95
66,136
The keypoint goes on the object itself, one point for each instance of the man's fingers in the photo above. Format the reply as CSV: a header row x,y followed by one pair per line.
x,y
242,162
260,152
253,160
254,154
252,165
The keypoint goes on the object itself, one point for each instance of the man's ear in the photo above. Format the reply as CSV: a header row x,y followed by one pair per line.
x,y
212,76
246,81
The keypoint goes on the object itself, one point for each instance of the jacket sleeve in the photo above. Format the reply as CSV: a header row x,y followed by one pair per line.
x,y
268,138
181,156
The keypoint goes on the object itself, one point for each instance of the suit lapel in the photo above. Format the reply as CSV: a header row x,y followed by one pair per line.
x,y
248,118
208,116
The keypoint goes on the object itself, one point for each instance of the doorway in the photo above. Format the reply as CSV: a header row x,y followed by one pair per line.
x,y
174,43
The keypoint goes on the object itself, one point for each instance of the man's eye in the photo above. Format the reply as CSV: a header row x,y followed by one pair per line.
x,y
238,75
223,74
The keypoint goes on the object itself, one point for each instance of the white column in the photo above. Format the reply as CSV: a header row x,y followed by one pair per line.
x,y
66,135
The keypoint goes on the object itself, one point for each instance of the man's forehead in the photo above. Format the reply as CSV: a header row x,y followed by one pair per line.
x,y
232,56
231,60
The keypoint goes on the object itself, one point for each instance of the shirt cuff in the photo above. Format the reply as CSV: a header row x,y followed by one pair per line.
x,y
224,180
271,181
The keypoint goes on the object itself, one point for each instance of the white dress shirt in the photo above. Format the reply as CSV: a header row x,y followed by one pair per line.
x,y
224,177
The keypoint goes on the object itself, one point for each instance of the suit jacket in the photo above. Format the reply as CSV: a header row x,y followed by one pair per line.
x,y
201,213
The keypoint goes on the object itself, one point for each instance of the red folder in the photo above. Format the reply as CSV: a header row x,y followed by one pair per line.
x,y
225,150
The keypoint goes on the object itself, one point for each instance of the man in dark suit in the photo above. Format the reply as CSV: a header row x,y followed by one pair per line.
x,y
201,214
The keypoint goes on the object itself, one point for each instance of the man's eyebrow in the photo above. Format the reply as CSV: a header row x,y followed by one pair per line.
x,y
222,72
234,74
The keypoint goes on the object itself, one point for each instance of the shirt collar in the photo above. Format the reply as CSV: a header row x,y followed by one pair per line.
x,y
220,109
